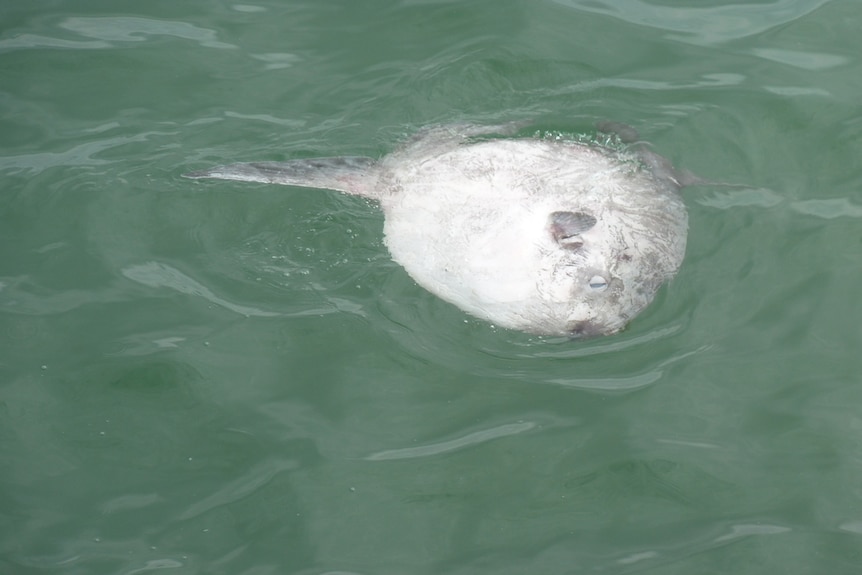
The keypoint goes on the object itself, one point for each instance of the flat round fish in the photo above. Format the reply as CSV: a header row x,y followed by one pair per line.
x,y
541,235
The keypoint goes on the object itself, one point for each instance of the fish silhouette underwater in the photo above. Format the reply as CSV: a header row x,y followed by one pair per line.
x,y
546,235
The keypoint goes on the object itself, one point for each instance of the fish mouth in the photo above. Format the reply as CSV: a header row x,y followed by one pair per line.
x,y
585,329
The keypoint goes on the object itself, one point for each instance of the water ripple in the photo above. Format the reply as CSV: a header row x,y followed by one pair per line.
x,y
829,208
745,530
253,480
107,31
804,60
80,155
702,25
155,274
453,444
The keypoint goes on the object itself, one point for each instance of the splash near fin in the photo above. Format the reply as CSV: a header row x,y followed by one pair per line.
x,y
349,174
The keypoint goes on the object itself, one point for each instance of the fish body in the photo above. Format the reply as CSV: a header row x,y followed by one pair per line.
x,y
541,235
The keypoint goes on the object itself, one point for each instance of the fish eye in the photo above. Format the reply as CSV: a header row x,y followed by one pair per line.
x,y
598,283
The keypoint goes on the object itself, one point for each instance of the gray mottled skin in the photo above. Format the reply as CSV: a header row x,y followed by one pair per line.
x,y
545,236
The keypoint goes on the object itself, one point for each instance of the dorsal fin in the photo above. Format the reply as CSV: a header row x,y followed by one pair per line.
x,y
348,174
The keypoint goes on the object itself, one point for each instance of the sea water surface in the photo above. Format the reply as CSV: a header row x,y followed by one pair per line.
x,y
221,378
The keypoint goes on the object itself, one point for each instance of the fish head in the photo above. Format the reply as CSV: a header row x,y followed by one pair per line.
x,y
599,271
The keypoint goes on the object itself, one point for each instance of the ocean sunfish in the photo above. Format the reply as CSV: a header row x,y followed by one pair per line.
x,y
544,235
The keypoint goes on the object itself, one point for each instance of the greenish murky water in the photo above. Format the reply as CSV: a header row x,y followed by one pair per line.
x,y
235,379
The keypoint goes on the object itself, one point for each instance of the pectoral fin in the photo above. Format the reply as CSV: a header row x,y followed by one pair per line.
x,y
567,226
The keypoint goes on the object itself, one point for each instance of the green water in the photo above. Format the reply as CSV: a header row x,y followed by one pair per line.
x,y
235,379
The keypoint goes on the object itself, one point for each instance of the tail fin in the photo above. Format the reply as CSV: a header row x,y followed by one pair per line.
x,y
349,174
